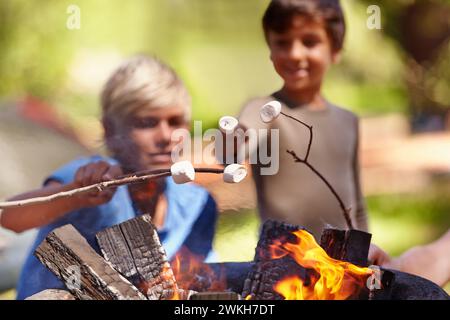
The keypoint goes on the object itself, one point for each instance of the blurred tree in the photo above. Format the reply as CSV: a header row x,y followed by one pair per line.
x,y
217,46
422,30
34,50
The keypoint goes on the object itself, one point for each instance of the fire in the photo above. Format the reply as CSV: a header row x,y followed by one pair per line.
x,y
191,273
330,279
186,272
166,275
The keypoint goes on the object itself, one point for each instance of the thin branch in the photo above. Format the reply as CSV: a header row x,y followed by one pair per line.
x,y
310,128
135,178
333,191
295,119
345,211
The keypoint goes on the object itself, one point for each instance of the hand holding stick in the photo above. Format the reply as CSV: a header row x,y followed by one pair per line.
x,y
134,178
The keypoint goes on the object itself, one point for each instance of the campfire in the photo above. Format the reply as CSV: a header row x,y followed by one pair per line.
x,y
288,265
329,279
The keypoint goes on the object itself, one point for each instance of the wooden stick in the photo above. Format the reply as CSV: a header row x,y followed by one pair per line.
x,y
123,180
345,211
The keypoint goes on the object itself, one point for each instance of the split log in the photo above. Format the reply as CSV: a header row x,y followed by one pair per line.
x,y
264,275
347,245
266,271
134,249
52,294
274,231
86,274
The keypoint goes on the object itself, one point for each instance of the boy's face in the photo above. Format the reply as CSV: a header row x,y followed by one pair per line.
x,y
302,54
149,144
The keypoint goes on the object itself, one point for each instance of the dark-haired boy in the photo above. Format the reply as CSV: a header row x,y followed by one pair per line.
x,y
305,38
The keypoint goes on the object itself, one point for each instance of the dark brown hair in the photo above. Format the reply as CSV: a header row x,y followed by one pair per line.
x,y
279,14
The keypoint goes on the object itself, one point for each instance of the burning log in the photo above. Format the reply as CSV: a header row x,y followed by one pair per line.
x,y
289,264
86,274
134,249
266,271
273,231
261,282
405,286
236,273
347,245
193,274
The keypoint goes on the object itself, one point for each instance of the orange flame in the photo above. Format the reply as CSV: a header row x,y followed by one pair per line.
x,y
191,273
333,279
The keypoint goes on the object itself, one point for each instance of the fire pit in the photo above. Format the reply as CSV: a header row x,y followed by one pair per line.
x,y
288,264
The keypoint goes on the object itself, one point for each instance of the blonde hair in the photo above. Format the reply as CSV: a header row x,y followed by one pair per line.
x,y
142,82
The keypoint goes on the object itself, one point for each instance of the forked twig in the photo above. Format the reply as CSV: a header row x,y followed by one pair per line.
x,y
345,211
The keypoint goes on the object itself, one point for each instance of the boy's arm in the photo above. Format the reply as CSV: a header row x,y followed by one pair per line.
x,y
430,261
361,214
20,219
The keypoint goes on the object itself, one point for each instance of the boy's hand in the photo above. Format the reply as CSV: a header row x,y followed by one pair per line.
x,y
93,173
377,256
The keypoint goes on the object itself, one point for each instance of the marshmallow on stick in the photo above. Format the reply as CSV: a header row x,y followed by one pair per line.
x,y
182,172
234,173
228,124
270,111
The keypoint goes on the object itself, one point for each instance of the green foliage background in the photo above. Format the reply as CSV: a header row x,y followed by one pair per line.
x,y
217,47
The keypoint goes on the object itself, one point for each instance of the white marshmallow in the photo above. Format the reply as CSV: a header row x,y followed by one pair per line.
x,y
234,173
182,172
270,111
228,124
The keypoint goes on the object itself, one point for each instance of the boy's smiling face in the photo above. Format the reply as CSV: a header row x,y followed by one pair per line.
x,y
302,54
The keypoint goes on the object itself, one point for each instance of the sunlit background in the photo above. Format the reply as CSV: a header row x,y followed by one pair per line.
x,y
397,79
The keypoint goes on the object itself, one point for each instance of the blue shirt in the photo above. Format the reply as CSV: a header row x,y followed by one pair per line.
x,y
189,222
